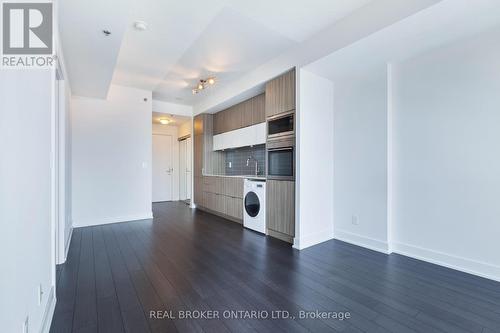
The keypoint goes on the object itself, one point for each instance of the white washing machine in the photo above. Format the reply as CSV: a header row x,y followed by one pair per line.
x,y
254,205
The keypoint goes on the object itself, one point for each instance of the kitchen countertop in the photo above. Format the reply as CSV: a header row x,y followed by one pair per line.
x,y
259,177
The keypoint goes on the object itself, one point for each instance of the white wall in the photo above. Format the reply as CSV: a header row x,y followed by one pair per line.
x,y
314,197
111,143
26,253
446,155
360,169
184,129
64,231
173,131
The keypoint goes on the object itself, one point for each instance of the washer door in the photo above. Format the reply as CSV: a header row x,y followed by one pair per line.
x,y
252,204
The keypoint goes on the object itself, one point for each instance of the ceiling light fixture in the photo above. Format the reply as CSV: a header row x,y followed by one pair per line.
x,y
140,25
203,84
164,121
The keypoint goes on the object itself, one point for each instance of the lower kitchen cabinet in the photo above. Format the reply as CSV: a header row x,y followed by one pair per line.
x,y
222,195
198,190
234,207
280,208
233,187
215,202
208,200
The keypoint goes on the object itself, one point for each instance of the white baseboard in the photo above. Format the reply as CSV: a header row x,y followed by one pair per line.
x,y
312,239
49,312
481,269
367,242
108,220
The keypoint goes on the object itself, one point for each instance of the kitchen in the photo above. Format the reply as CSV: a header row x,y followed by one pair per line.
x,y
244,160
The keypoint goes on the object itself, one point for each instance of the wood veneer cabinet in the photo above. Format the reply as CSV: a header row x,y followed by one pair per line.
x,y
219,122
198,159
223,196
246,113
198,146
280,209
234,118
217,194
280,94
233,187
259,109
234,207
205,160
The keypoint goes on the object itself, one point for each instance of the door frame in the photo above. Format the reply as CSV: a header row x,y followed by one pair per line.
x,y
172,162
183,173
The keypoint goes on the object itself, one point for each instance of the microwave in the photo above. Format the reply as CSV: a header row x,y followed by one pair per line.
x,y
281,125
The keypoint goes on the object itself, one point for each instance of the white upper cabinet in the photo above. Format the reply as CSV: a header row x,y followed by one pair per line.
x,y
242,137
260,133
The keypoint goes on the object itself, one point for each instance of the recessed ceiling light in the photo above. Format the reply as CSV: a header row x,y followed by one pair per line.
x,y
106,32
164,121
140,25
211,80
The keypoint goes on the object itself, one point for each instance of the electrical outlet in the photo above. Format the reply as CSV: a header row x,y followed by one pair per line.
x,y
26,324
355,220
40,294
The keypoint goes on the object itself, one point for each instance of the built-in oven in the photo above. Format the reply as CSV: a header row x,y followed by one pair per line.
x,y
281,125
281,159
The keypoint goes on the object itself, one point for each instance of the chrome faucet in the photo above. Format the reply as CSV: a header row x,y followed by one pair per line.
x,y
256,164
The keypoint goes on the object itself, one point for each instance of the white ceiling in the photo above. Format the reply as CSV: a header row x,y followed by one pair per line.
x,y
185,40
442,23
90,57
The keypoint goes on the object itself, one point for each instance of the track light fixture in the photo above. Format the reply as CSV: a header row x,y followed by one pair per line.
x,y
203,84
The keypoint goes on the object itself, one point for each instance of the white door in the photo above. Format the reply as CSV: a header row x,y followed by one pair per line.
x,y
162,168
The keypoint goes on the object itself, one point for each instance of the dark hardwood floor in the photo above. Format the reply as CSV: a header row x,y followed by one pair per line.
x,y
185,260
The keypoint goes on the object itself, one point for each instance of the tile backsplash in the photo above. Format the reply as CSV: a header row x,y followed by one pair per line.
x,y
236,160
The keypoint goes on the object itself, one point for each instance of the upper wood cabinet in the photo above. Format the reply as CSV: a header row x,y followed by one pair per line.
x,y
280,94
246,113
219,122
246,109
259,109
234,117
